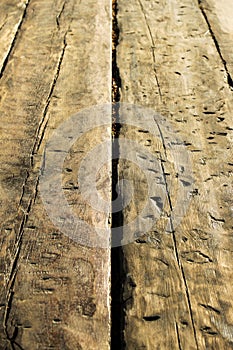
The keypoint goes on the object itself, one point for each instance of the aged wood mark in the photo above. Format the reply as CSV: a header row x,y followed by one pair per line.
x,y
50,286
170,287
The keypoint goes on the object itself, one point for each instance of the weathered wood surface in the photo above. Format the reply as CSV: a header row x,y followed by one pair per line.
x,y
55,61
218,18
176,58
11,18
178,286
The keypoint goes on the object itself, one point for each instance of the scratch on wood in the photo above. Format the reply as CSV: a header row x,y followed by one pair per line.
x,y
152,49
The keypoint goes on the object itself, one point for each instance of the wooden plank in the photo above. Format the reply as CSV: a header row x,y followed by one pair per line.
x,y
177,287
218,17
11,19
54,291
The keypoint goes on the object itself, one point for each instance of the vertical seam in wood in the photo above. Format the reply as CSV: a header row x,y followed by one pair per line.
x,y
229,78
117,256
14,39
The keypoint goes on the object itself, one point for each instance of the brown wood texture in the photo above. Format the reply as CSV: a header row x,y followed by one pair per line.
x,y
55,61
175,57
11,18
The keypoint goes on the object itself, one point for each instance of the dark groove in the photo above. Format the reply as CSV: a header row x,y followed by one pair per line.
x,y
186,288
117,256
42,125
60,14
178,337
151,318
229,78
14,40
10,286
210,308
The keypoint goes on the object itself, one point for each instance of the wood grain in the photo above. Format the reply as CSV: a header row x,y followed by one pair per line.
x,y
54,292
174,57
177,288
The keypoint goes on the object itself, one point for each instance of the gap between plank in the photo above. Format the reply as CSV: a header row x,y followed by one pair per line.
x,y
117,257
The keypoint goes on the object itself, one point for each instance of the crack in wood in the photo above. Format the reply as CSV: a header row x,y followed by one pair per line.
x,y
23,189
117,255
44,120
18,241
152,50
176,251
216,219
14,39
178,336
229,78
58,17
12,276
210,308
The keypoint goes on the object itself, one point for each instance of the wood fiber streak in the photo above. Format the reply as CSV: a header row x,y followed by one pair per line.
x,y
54,292
178,289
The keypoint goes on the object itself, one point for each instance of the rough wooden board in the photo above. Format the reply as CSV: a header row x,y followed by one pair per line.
x,y
178,287
218,17
54,292
11,18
